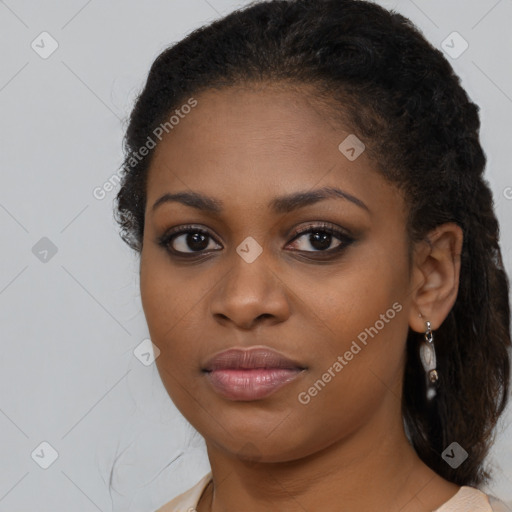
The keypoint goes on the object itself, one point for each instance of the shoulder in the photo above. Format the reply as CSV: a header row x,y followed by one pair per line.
x,y
187,501
471,499
467,499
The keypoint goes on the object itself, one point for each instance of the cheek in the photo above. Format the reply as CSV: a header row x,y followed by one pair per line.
x,y
353,299
360,366
362,316
174,303
165,302
166,294
167,306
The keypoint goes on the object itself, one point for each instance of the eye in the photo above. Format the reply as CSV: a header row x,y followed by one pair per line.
x,y
189,240
321,237
178,240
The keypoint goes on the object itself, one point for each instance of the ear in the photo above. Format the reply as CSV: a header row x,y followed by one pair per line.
x,y
435,276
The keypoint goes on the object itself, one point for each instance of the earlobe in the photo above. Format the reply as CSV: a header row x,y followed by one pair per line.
x,y
435,276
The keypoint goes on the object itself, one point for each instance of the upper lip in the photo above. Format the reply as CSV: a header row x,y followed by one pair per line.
x,y
248,358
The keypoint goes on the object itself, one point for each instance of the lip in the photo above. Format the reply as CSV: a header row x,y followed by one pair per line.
x,y
250,358
250,374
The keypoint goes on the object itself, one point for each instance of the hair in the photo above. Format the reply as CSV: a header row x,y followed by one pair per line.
x,y
374,70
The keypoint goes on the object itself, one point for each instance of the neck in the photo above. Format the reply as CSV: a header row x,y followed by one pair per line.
x,y
365,472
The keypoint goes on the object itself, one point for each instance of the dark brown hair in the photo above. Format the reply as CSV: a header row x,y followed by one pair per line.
x,y
403,99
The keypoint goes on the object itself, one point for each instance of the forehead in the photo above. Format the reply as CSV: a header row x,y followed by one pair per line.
x,y
244,144
251,116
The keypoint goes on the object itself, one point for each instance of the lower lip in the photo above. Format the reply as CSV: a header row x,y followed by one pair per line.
x,y
251,384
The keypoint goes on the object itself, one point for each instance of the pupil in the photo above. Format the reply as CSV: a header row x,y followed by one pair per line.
x,y
324,240
197,241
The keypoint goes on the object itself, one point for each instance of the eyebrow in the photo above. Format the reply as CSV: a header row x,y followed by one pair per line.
x,y
282,204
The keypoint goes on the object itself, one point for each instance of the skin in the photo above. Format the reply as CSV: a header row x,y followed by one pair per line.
x,y
245,146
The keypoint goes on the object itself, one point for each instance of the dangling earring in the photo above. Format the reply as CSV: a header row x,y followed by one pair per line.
x,y
428,360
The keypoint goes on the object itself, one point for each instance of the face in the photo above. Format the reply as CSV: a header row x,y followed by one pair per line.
x,y
334,299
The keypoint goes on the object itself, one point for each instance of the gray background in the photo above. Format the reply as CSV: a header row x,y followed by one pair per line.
x,y
71,320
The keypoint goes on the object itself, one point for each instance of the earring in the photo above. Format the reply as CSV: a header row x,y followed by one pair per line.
x,y
428,360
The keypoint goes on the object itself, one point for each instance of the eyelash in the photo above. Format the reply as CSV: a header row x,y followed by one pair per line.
x,y
167,237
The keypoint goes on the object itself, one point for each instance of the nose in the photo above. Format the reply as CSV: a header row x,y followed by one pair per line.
x,y
250,293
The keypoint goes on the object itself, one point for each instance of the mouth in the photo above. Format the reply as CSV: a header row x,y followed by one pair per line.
x,y
250,374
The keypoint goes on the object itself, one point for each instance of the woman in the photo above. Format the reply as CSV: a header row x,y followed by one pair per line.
x,y
319,261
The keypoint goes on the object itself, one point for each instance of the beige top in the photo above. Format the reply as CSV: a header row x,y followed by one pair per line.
x,y
466,499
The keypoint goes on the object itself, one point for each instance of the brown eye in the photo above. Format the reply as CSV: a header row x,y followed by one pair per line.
x,y
191,240
187,240
321,238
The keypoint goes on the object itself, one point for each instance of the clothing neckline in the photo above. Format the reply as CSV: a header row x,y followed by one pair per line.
x,y
461,493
